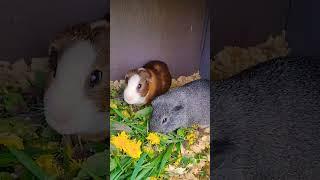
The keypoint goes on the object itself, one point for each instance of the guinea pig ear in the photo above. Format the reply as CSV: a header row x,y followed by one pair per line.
x,y
129,74
145,74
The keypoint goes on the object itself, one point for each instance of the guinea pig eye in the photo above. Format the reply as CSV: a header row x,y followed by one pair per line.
x,y
95,77
177,108
164,120
139,86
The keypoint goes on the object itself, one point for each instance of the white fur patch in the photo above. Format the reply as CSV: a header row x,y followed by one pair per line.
x,y
131,96
67,108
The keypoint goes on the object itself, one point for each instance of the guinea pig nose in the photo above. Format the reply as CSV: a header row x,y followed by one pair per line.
x,y
129,98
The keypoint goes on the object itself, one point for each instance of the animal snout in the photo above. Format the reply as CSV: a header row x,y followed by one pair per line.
x,y
129,98
153,128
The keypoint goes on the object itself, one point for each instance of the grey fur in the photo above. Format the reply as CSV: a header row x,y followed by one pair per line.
x,y
266,122
182,106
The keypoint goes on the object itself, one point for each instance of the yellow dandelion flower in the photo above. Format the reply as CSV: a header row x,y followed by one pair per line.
x,y
191,138
113,105
131,147
148,150
177,162
11,140
120,141
125,113
134,150
48,163
153,138
152,178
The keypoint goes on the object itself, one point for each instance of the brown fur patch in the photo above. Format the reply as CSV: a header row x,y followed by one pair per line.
x,y
100,92
145,78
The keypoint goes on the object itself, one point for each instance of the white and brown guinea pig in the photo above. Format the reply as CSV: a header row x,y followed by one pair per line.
x,y
146,83
76,98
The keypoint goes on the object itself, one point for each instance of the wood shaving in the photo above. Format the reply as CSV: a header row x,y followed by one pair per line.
x,y
18,74
232,60
194,171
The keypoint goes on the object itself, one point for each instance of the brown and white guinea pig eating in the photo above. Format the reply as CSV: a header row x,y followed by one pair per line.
x,y
145,83
76,98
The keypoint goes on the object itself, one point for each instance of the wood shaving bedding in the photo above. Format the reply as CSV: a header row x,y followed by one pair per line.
x,y
232,60
18,74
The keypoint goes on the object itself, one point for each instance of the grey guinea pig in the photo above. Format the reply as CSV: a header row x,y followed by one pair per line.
x,y
265,121
182,107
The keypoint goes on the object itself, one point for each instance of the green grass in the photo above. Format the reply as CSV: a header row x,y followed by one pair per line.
x,y
136,119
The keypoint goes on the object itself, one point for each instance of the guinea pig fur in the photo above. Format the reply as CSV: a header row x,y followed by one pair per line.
x,y
76,98
266,121
182,107
146,83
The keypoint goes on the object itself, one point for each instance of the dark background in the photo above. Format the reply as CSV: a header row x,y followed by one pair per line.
x,y
249,22
28,26
246,22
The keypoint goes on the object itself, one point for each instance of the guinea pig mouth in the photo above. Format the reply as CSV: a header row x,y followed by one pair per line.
x,y
137,100
154,128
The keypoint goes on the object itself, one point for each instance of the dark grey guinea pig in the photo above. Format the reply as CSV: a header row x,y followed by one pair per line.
x,y
182,107
266,122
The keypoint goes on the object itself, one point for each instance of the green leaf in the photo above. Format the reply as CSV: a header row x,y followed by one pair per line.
x,y
144,113
138,167
90,173
181,132
12,101
7,159
29,163
115,174
122,168
40,79
26,174
95,165
165,158
150,168
113,164
119,113
142,174
5,176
